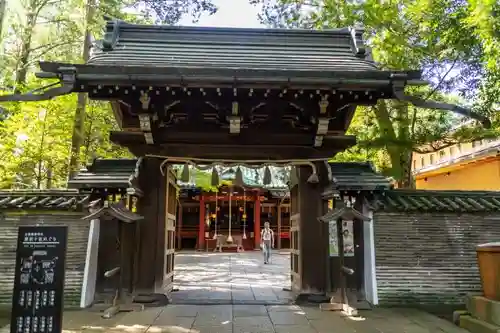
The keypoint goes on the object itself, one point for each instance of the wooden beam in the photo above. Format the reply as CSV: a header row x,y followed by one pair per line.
x,y
235,153
136,144
221,137
267,153
245,137
279,226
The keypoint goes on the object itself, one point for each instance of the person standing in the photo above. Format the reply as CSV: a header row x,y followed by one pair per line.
x,y
267,241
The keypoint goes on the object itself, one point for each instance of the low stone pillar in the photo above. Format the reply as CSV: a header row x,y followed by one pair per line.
x,y
488,259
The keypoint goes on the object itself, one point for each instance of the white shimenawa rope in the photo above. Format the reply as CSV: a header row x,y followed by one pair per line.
x,y
197,162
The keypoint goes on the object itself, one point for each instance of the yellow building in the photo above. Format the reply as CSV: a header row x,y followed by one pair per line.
x,y
466,166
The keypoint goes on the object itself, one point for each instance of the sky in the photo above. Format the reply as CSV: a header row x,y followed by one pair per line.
x,y
231,13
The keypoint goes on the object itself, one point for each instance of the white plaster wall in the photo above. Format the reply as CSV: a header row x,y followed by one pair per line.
x,y
90,272
370,277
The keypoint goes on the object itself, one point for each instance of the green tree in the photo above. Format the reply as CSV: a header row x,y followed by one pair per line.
x,y
439,36
35,145
62,30
484,20
99,122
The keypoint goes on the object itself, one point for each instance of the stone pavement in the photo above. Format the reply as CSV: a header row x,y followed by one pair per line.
x,y
246,293
231,278
256,319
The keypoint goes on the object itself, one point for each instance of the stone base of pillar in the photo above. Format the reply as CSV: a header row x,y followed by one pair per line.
x,y
311,297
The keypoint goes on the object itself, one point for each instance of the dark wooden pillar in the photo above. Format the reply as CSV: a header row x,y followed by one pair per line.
x,y
179,226
201,224
313,234
256,221
152,228
278,209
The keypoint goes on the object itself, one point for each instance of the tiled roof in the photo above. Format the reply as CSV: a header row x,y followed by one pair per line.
x,y
345,213
437,201
174,46
197,54
353,176
46,199
280,193
114,210
105,173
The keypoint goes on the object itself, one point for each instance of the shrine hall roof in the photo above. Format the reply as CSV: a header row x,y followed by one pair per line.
x,y
437,201
42,199
356,176
235,54
105,173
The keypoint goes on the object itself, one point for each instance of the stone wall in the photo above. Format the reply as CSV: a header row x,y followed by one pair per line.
x,y
429,258
78,231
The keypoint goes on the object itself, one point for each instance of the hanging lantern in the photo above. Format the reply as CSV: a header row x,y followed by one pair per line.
x,y
267,176
215,177
185,173
207,215
313,178
229,237
215,214
244,216
238,178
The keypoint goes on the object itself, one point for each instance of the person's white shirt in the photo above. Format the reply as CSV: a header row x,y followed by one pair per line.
x,y
267,234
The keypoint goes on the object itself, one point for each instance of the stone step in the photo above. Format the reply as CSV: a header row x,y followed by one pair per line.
x,y
458,314
474,325
484,309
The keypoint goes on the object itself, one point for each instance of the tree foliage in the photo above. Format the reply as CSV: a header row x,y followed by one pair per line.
x,y
454,42
42,142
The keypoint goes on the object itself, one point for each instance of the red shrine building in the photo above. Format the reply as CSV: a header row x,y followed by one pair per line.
x,y
239,211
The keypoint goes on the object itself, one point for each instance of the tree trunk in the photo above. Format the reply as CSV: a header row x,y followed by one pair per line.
x,y
404,151
24,56
3,13
49,177
397,142
40,152
401,168
77,137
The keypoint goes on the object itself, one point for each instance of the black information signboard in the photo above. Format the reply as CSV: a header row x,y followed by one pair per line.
x,y
37,302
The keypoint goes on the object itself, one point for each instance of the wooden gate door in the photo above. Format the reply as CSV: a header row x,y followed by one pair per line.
x,y
295,262
170,221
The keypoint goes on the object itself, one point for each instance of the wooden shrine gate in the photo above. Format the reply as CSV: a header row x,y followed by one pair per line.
x,y
140,196
208,96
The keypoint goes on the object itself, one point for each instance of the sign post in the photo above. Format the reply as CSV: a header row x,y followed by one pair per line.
x,y
37,301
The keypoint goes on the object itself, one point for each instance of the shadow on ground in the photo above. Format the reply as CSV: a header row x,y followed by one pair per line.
x,y
257,319
231,278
